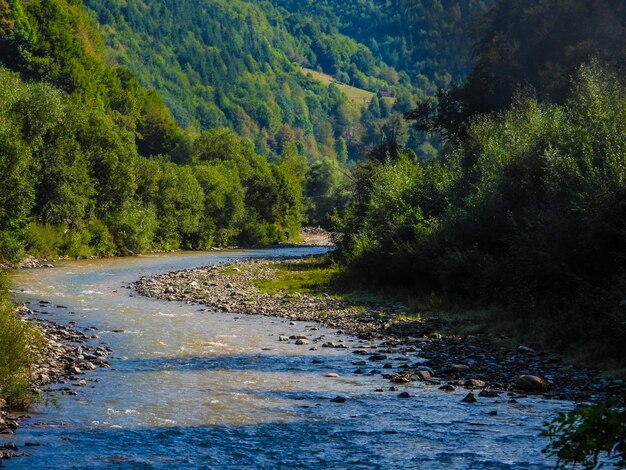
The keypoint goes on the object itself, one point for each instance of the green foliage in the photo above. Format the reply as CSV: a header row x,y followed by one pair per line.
x,y
224,211
16,354
511,54
527,213
590,436
133,227
44,241
326,192
75,180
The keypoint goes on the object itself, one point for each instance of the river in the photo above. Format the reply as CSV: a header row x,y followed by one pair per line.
x,y
193,389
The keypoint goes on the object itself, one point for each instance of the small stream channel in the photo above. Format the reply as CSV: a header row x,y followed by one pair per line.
x,y
192,389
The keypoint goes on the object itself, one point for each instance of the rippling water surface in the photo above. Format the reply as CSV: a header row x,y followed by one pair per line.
x,y
191,389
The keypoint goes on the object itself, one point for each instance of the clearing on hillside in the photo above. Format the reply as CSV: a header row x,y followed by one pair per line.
x,y
358,96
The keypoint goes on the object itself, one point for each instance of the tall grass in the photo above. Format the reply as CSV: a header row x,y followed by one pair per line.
x,y
17,340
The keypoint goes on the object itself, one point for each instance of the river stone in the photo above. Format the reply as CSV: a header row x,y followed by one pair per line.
x,y
474,383
329,344
469,398
423,374
302,342
331,375
377,357
530,383
338,400
447,388
283,338
489,394
360,352
405,395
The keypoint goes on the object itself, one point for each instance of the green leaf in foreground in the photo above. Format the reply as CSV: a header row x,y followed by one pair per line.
x,y
592,437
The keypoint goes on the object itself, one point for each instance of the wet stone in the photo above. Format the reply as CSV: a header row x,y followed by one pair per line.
x,y
338,400
469,398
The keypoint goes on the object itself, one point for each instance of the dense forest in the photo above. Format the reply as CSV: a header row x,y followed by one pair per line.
x,y
94,164
238,63
524,207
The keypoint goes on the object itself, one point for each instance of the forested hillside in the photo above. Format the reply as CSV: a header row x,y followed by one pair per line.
x,y
94,164
424,42
237,63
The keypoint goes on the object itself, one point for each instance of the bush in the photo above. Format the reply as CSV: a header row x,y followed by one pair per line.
x,y
11,247
133,227
44,241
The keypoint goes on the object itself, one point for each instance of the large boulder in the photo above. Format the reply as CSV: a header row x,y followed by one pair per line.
x,y
530,383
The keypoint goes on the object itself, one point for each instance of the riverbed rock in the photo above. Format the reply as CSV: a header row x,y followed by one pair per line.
x,y
469,398
331,375
447,388
423,374
338,400
474,383
530,383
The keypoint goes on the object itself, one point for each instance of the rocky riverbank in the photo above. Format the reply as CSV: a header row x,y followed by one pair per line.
x,y
62,356
408,348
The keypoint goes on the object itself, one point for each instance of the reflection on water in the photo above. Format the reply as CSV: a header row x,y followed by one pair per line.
x,y
191,389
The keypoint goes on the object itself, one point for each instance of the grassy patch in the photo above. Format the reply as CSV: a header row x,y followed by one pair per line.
x,y
313,276
320,276
358,96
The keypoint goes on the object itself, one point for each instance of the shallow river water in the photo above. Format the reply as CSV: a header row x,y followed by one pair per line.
x,y
192,389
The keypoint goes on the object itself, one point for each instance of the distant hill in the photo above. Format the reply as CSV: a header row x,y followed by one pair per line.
x,y
237,63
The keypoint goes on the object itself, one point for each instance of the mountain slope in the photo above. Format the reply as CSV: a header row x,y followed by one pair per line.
x,y
237,63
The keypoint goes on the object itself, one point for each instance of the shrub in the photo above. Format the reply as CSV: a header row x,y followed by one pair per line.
x,y
133,227
43,240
